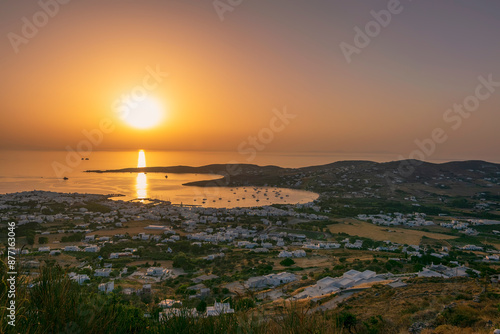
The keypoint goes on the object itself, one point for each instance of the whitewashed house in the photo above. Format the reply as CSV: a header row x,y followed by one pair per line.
x,y
218,309
92,249
285,254
107,287
104,272
156,271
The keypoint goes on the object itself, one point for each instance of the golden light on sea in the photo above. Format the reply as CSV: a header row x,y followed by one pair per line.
x,y
141,162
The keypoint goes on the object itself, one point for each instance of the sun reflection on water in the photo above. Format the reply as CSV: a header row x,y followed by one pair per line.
x,y
141,184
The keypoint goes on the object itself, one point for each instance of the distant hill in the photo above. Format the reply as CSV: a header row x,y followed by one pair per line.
x,y
356,177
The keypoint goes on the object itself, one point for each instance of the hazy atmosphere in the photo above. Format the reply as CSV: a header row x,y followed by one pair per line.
x,y
220,71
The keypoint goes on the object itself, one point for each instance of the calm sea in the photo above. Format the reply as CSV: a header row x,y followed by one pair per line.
x,y
38,170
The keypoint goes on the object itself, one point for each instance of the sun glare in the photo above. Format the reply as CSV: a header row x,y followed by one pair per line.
x,y
141,162
141,186
144,114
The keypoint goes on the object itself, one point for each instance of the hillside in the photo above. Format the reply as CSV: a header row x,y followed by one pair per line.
x,y
353,178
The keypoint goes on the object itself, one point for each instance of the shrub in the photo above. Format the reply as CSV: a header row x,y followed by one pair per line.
x,y
287,262
460,316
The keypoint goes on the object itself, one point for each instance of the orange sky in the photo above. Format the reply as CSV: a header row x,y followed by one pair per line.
x,y
225,77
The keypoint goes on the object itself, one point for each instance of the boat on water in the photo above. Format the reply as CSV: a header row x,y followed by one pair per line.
x,y
65,178
166,176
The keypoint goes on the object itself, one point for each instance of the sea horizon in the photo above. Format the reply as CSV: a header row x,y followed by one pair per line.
x,y
195,158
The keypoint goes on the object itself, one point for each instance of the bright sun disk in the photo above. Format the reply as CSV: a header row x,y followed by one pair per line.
x,y
144,114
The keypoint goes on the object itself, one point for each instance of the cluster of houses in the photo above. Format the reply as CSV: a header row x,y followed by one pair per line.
x,y
211,311
395,219
190,219
443,271
47,249
461,227
121,211
295,253
419,219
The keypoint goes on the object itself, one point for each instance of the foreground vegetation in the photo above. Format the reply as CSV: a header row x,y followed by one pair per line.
x,y
52,303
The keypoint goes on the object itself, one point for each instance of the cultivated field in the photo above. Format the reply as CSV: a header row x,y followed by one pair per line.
x,y
132,228
403,236
307,262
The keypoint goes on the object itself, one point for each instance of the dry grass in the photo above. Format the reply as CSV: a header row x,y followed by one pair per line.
x,y
403,236
132,228
164,264
425,301
308,262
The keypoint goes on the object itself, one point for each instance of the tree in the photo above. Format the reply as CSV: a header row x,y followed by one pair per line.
x,y
182,261
43,240
30,238
287,262
244,304
471,273
347,320
202,306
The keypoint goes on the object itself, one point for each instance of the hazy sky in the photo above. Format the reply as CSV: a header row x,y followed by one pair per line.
x,y
226,76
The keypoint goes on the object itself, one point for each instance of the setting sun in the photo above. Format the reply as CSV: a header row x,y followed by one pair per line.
x,y
144,114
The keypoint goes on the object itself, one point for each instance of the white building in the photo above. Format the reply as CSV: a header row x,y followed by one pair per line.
x,y
80,279
299,253
472,248
119,255
271,280
156,271
168,303
107,287
285,254
218,309
104,272
330,285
